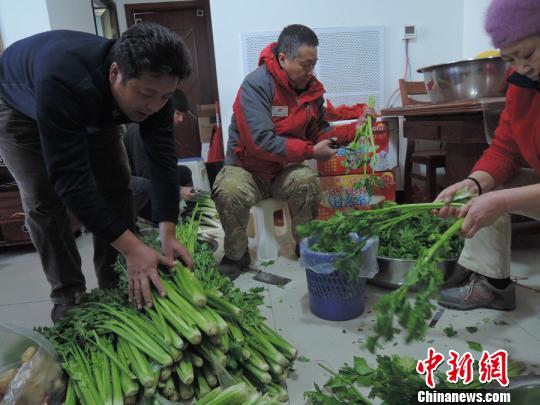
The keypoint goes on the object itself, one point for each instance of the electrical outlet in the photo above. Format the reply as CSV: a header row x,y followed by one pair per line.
x,y
409,32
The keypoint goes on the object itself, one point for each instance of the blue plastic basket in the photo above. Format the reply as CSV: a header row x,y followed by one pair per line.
x,y
334,296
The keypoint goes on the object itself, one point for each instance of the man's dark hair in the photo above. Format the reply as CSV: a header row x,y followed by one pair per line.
x,y
153,48
180,101
293,37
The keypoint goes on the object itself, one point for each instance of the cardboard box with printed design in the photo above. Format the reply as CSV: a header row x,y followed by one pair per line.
x,y
386,156
343,193
207,118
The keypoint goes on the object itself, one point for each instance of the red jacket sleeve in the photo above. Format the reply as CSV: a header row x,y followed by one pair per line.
x,y
323,130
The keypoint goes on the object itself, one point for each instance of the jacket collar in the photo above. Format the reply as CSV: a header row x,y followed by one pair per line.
x,y
523,81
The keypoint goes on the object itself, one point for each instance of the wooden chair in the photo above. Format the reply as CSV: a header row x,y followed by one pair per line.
x,y
431,159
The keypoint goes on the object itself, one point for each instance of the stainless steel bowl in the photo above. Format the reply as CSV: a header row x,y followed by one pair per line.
x,y
211,243
392,271
466,79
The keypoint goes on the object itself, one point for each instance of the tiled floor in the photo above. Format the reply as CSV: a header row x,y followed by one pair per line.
x,y
24,301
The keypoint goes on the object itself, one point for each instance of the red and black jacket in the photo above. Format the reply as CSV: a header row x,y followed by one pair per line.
x,y
272,125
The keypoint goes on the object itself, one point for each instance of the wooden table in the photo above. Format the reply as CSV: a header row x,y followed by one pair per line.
x,y
459,124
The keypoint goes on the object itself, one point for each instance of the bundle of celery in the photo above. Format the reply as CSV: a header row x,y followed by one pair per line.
x,y
366,153
239,394
394,381
205,210
115,354
335,232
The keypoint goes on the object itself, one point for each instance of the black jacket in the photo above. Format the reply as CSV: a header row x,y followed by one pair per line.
x,y
60,79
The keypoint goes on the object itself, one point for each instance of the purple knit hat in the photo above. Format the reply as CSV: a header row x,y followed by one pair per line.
x,y
510,21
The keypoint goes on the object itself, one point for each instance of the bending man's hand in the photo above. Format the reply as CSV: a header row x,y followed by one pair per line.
x,y
170,246
142,263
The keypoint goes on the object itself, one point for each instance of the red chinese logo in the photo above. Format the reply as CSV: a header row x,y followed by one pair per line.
x,y
494,367
461,367
429,365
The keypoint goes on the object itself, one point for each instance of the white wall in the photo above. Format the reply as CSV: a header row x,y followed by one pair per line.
x,y
71,15
22,18
439,25
475,39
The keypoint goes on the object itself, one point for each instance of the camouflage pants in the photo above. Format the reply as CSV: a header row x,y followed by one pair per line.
x,y
236,190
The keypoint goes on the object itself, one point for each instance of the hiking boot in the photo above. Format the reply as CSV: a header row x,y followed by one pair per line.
x,y
456,277
232,268
477,292
60,311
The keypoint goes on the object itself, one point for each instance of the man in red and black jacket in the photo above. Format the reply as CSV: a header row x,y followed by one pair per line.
x,y
277,124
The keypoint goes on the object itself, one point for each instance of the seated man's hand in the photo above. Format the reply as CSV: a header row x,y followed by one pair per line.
x,y
187,193
324,150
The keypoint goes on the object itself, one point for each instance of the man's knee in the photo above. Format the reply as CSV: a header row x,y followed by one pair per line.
x,y
229,193
304,184
232,189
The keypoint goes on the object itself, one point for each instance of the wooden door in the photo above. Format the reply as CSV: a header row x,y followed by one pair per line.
x,y
190,20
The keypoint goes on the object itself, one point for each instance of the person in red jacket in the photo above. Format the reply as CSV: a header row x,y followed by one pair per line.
x,y
506,176
277,124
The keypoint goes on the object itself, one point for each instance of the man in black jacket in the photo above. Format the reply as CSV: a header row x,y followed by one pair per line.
x,y
63,95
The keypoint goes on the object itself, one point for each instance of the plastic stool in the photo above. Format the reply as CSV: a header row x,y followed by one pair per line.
x,y
198,172
268,241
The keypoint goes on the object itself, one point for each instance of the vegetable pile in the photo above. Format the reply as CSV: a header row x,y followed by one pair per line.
x,y
335,231
343,386
409,237
180,348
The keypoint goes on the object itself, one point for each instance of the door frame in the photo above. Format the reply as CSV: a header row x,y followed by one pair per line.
x,y
129,9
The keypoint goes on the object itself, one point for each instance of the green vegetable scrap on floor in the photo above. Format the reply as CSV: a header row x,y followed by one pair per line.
x,y
343,387
471,329
475,346
450,331
115,354
334,233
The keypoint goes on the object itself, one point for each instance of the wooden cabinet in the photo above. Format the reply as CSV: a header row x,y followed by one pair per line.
x,y
13,230
460,125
